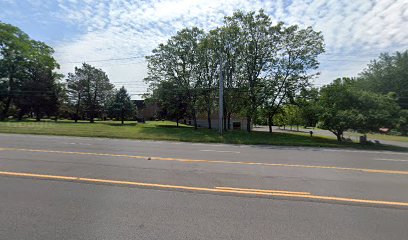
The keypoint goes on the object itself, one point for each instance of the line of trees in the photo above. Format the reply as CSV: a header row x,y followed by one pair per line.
x,y
30,86
378,98
380,95
264,66
267,70
92,95
28,83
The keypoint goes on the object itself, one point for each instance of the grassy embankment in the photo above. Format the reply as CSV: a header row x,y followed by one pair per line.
x,y
164,130
370,136
384,137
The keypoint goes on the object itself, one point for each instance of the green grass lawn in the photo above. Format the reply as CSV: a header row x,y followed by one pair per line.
x,y
165,130
385,137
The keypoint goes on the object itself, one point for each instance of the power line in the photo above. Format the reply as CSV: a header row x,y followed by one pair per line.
x,y
106,60
343,60
142,57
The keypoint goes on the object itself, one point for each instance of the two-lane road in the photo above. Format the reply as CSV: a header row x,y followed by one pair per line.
x,y
83,188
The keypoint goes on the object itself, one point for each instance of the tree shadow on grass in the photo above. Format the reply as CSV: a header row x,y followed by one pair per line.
x,y
316,142
172,126
118,124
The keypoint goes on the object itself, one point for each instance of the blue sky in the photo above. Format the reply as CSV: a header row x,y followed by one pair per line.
x,y
93,30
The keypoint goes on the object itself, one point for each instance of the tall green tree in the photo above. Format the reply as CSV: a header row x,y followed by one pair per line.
x,y
307,101
76,91
3,94
263,65
388,73
173,104
14,48
254,31
344,107
177,62
208,62
120,106
293,115
402,122
92,89
280,118
289,114
276,61
291,67
39,92
27,74
234,85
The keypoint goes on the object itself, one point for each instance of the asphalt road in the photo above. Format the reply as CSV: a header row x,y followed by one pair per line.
x,y
84,188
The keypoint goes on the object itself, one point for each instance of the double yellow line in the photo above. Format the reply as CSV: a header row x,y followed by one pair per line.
x,y
243,191
365,170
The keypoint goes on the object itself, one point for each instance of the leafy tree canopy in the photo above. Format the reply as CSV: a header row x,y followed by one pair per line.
x,y
121,106
27,79
345,107
389,73
91,88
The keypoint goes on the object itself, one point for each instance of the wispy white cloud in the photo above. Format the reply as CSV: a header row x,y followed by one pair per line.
x,y
355,31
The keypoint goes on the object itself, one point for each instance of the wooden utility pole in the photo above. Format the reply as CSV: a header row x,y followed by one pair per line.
x,y
221,101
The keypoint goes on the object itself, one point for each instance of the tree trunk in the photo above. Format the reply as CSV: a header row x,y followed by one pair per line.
x,y
177,120
21,113
338,134
77,108
76,115
270,123
195,120
122,115
6,108
225,117
229,121
248,123
37,115
338,137
209,118
9,97
93,105
20,116
91,117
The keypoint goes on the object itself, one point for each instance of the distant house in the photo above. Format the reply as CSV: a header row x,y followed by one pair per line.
x,y
146,111
236,122
151,111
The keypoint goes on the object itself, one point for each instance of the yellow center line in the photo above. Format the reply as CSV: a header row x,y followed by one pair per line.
x,y
365,170
258,192
45,176
263,190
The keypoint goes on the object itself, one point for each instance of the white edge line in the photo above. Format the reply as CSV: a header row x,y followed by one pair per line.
x,y
391,160
208,150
